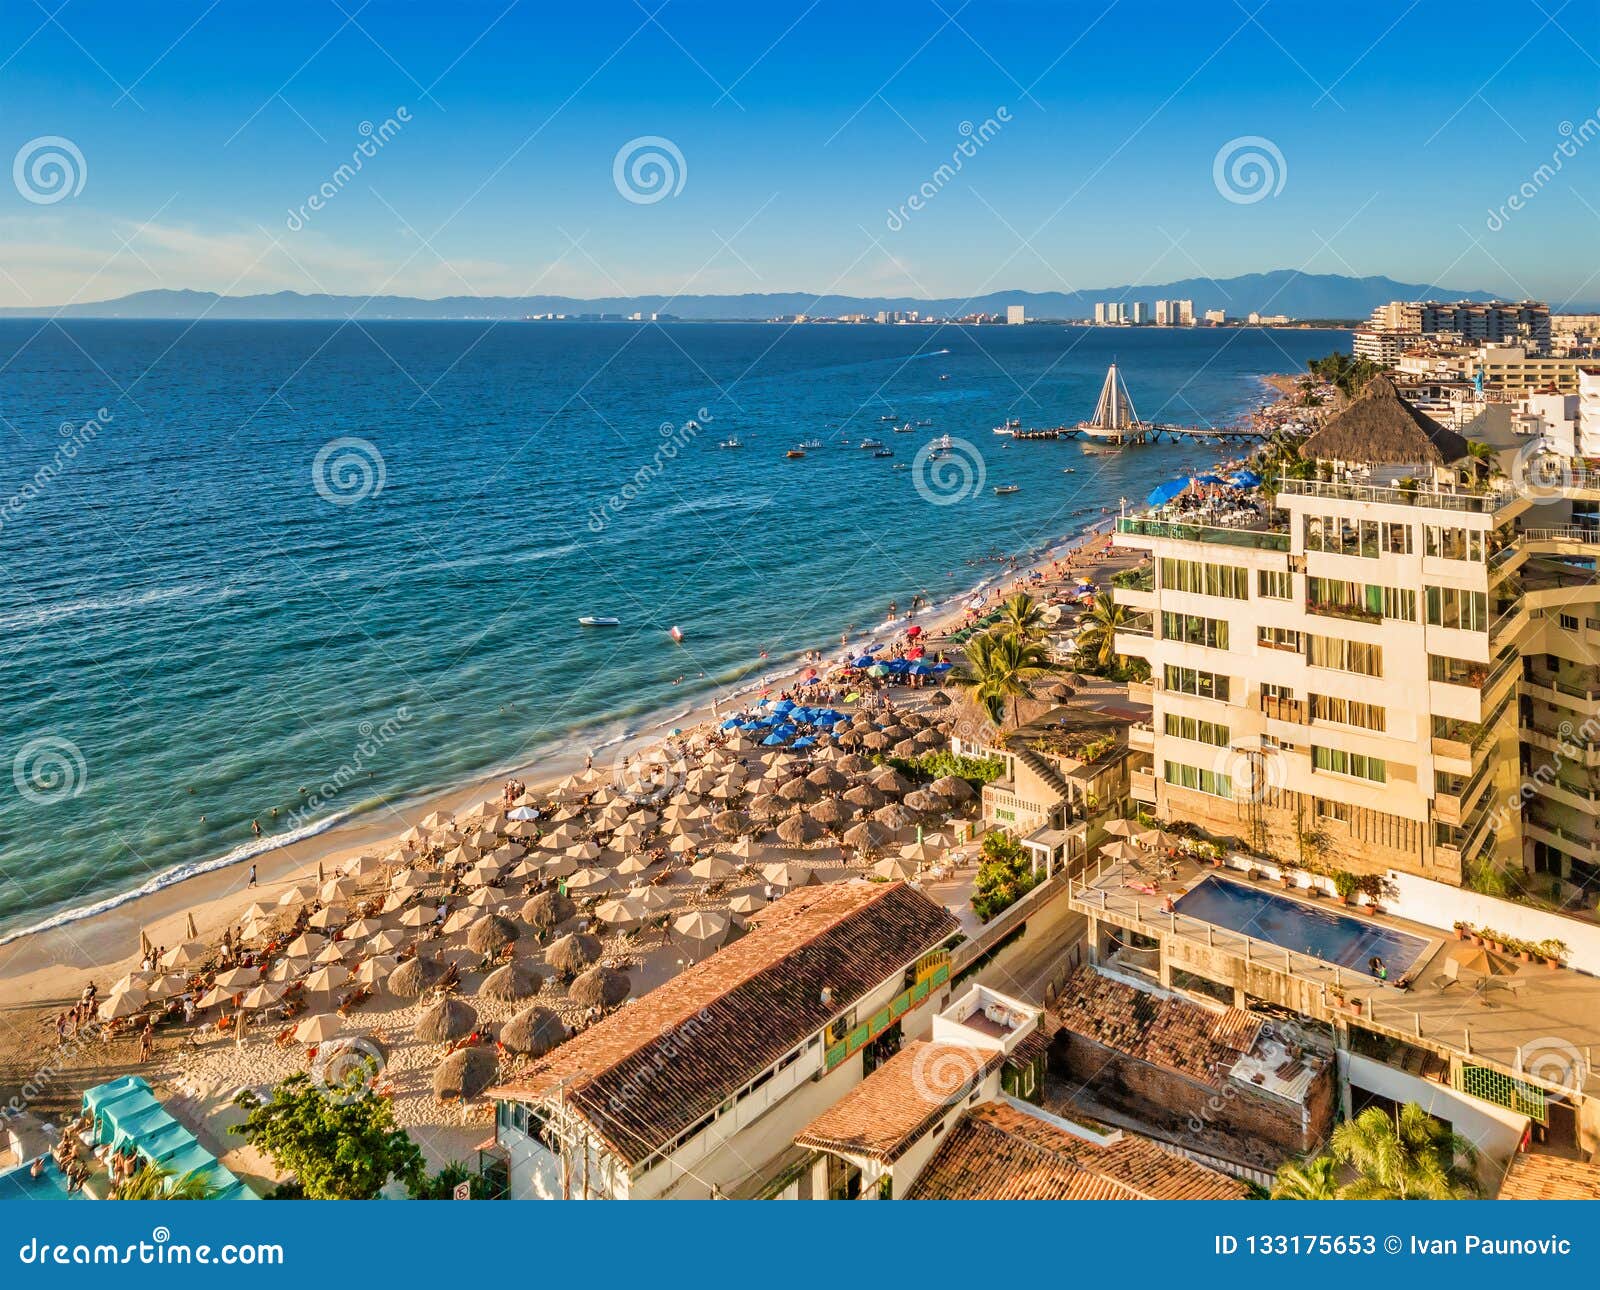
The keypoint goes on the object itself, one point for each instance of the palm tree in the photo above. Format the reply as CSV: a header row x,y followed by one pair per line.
x,y
1021,616
155,1183
997,670
1314,1179
1106,617
1484,461
1409,1156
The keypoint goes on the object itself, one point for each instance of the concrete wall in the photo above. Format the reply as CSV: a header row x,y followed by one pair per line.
x,y
1438,905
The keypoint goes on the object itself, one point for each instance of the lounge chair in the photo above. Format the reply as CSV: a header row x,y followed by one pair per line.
x,y
1449,977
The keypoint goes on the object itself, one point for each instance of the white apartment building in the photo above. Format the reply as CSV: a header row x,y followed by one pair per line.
x,y
1340,683
1016,315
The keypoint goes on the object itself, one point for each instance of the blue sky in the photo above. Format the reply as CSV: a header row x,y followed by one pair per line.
x,y
1400,127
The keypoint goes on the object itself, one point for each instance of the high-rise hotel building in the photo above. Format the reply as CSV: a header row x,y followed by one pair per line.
x,y
1394,668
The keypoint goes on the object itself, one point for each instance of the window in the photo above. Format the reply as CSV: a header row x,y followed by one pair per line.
x,y
1397,539
1205,579
1356,765
1344,656
1194,630
1203,685
1275,584
1278,638
1360,600
1569,622
1455,543
1339,536
1457,671
1452,607
1328,810
1347,712
1192,728
1201,781
1283,693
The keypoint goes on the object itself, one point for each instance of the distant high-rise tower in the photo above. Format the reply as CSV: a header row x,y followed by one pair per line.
x,y
1015,316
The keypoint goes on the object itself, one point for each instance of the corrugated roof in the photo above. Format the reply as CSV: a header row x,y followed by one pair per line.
x,y
900,1101
999,1152
1536,1177
653,1069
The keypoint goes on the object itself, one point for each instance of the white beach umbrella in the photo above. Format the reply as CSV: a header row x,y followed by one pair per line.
x,y
747,903
461,920
329,916
583,851
417,916
300,895
305,946
216,995
235,978
387,942
185,954
361,867
438,820
318,1029
710,868
328,978
488,897
264,995
650,899
257,913
700,926
123,1004
588,880
375,971
335,952
132,981
338,889
559,866
363,928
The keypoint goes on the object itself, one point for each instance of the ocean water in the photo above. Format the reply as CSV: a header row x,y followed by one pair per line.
x,y
319,568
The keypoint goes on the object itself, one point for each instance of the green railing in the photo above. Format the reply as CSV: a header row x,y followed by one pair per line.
x,y
1500,1089
886,1016
1425,497
1255,538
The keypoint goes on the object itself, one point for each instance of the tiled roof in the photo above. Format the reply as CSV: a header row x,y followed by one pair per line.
x,y
1172,1033
998,1152
900,1101
1536,1177
654,1068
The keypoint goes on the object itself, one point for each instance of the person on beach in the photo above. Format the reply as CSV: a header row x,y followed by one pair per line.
x,y
255,827
147,1041
251,882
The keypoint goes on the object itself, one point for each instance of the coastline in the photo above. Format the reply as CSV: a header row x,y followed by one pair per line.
x,y
50,962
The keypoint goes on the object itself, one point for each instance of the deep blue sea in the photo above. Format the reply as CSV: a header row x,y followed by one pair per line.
x,y
291,553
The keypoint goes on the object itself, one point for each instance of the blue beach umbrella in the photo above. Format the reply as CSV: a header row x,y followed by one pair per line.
x,y
731,723
864,660
1161,494
772,740
1208,479
1247,479
805,741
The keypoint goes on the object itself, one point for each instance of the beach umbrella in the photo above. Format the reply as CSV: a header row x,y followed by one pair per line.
x,y
768,806
833,812
868,835
748,903
533,1032
123,1004
466,1073
1121,851
184,955
700,926
601,987
633,864
895,869
1152,839
257,913
359,867
375,971
386,942
572,952
890,781
922,800
437,820
329,916
362,928
827,778
328,978
922,852
414,976
547,910
798,790
583,850
510,983
905,748
559,867
619,914
799,829
417,916
460,857
743,849
730,823
215,995
237,978
133,981
492,933
527,830
164,987
338,889
876,740
484,874
1122,828
649,900
524,870
588,880
462,919
928,739
487,898
682,844
398,900
865,796
264,995
522,813
448,1019
788,875
298,896
710,868
318,1029
305,945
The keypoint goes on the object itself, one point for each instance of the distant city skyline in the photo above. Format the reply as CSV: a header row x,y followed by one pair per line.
x,y
476,149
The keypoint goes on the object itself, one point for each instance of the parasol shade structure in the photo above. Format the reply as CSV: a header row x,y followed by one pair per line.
x,y
533,1032
548,909
446,1020
491,934
573,952
466,1073
512,982
600,987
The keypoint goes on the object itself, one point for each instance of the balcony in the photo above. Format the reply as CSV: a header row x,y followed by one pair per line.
x,y
1142,737
1351,613
1447,808
1432,498
1172,530
1142,786
932,971
1283,709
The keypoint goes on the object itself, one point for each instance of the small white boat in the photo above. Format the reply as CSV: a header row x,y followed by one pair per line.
x,y
731,443
1010,426
1005,490
810,444
872,443
943,443
599,620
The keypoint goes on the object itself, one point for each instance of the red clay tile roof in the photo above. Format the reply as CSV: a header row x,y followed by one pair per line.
x,y
1536,1177
1172,1033
1000,1153
654,1068
900,1101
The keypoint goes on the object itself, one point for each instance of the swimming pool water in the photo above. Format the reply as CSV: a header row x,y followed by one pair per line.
x,y
1303,928
19,1184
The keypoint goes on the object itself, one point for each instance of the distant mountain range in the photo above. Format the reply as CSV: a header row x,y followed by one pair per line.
x,y
1282,291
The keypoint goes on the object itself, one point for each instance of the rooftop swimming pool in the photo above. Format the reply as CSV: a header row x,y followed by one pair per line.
x,y
19,1184
1296,925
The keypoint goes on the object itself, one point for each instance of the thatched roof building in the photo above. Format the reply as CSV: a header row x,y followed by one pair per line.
x,y
1381,429
446,1020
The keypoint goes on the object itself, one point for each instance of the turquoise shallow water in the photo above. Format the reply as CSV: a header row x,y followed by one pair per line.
x,y
190,627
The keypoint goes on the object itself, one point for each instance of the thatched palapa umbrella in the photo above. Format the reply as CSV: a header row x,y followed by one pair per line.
x,y
894,816
548,910
868,835
600,987
922,800
491,934
827,778
798,790
414,976
833,813
799,829
512,982
573,952
466,1073
446,1020
533,1032
730,823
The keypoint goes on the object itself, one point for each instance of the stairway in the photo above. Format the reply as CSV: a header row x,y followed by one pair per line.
x,y
1045,770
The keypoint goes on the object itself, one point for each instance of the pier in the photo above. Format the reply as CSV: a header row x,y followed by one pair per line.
x,y
1116,423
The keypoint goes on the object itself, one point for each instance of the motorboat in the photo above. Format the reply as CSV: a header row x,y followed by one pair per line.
x,y
795,454
1010,426
905,429
872,443
731,443
810,444
599,620
1005,490
884,452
